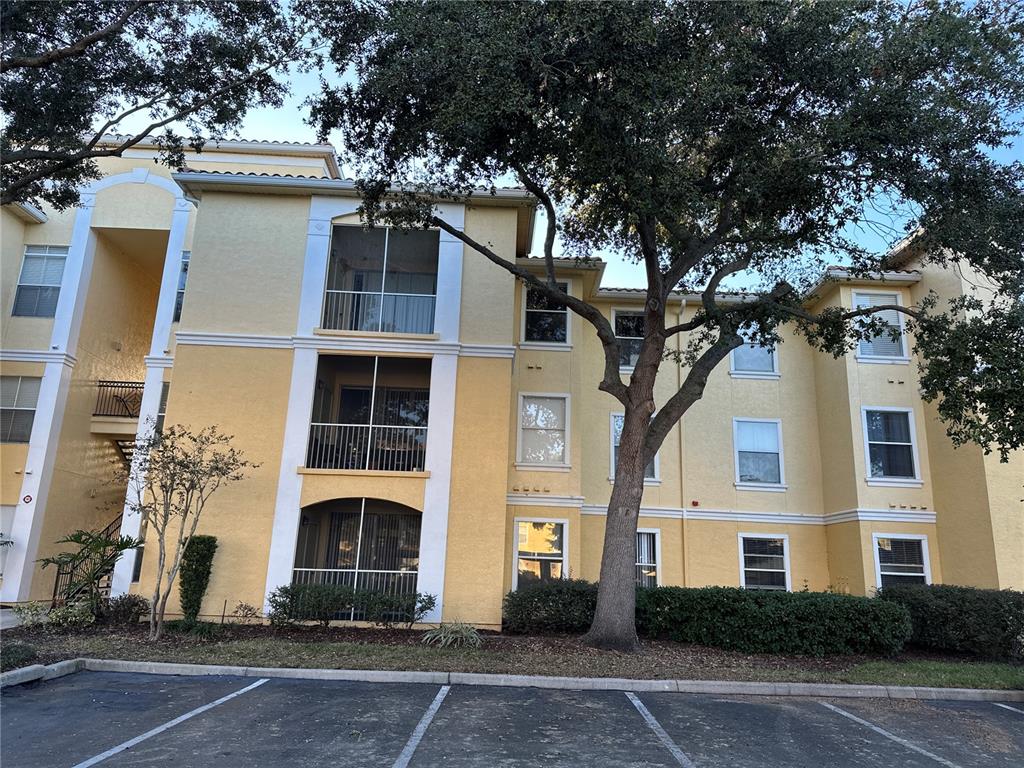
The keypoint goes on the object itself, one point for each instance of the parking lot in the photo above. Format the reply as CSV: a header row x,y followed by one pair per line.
x,y
118,719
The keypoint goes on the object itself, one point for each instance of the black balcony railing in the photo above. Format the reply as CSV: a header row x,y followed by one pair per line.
x,y
119,398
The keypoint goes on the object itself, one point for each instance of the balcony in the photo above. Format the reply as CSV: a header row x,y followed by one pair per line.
x,y
381,281
116,413
369,414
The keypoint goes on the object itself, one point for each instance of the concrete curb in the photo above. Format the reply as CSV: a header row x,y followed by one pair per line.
x,y
719,687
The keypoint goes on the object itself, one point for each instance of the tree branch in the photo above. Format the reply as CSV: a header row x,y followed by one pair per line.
x,y
78,47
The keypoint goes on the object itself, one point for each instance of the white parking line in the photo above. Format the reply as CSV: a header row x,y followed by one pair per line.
x,y
169,724
660,732
421,728
888,735
1007,706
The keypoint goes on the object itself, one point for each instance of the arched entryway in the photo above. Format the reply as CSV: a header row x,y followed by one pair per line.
x,y
368,544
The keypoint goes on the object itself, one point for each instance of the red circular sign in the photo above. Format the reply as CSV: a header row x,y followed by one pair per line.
x,y
27,499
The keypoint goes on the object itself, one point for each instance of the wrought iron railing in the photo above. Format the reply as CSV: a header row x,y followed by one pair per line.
x,y
361,446
119,398
379,312
69,582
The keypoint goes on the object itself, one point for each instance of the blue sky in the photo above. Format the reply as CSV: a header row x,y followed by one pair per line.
x,y
288,124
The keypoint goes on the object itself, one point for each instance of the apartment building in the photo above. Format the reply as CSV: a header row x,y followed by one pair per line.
x,y
423,423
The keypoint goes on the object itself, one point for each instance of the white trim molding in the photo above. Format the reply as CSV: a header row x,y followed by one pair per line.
x,y
923,538
543,500
36,356
371,343
775,518
159,361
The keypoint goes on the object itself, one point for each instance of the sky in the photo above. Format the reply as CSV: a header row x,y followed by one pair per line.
x,y
287,123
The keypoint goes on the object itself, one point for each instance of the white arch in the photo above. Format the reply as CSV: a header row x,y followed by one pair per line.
x,y
134,176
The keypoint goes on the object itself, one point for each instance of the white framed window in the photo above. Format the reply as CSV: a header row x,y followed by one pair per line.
x,y
758,454
629,330
545,323
39,283
753,361
18,398
901,558
179,297
543,430
651,471
764,561
541,552
882,347
890,446
648,557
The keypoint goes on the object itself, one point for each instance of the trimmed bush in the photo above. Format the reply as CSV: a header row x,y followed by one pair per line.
x,y
125,610
984,622
15,655
196,564
751,621
72,615
324,603
562,605
388,610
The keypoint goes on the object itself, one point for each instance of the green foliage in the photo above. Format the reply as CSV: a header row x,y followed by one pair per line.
x,y
984,622
31,614
752,621
72,615
562,605
90,563
457,634
125,610
325,603
196,564
14,655
203,630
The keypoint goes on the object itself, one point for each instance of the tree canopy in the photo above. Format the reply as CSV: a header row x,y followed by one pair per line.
x,y
182,73
711,141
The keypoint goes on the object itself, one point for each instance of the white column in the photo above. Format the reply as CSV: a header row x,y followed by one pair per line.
x,y
449,275
156,362
49,416
437,490
289,482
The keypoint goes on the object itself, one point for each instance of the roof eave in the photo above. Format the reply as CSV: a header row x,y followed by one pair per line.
x,y
28,213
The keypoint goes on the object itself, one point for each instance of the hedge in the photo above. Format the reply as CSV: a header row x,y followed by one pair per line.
x,y
196,564
324,603
984,622
751,621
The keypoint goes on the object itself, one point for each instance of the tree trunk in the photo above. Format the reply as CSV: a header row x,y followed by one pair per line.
x,y
614,625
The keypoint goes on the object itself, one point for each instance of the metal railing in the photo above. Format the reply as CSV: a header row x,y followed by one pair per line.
x,y
379,312
119,398
69,582
380,582
362,446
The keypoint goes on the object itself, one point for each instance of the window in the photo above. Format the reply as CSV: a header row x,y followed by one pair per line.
x,y
901,560
754,361
540,551
650,471
882,344
758,445
186,257
543,429
544,321
18,396
647,558
161,413
764,562
889,438
381,280
629,330
39,284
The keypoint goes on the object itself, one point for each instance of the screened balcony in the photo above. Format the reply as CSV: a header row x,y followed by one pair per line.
x,y
368,544
369,413
381,280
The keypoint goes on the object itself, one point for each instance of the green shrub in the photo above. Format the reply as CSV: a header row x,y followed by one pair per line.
x,y
563,605
807,623
15,655
455,635
73,615
31,614
984,622
125,610
387,610
196,564
310,602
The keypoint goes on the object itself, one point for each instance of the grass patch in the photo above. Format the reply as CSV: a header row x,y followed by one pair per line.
x,y
353,648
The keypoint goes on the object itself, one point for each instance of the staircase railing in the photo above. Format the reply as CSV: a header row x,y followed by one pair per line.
x,y
69,584
119,398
